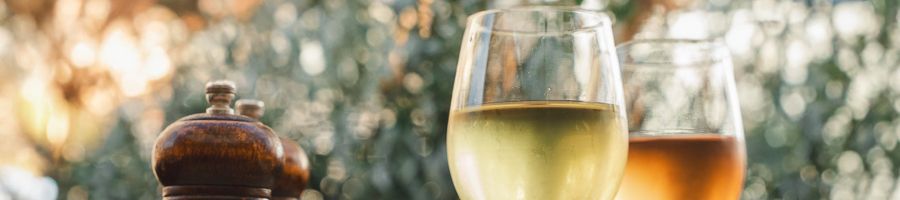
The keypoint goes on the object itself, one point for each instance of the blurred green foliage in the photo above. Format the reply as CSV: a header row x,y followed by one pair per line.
x,y
364,87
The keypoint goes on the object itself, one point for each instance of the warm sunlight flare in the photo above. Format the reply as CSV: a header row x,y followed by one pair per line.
x,y
365,87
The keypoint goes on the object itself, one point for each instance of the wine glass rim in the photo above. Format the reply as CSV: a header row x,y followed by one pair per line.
x,y
602,20
703,61
709,42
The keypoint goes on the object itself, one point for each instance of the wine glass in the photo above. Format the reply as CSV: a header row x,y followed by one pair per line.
x,y
537,109
686,139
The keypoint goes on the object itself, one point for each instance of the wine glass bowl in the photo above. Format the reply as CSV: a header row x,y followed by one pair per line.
x,y
537,109
686,138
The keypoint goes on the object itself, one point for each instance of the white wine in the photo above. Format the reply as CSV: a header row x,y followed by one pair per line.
x,y
537,150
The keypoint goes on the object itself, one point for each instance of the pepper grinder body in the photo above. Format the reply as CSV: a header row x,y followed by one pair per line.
x,y
294,177
217,154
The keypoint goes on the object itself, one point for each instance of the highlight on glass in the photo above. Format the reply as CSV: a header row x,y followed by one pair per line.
x,y
686,138
537,109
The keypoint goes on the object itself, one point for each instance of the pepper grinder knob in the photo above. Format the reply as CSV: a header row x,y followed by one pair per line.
x,y
219,95
251,108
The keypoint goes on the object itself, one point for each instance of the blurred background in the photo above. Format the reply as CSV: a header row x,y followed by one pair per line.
x,y
364,87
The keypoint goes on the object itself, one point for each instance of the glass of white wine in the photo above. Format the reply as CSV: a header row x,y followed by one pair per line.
x,y
537,109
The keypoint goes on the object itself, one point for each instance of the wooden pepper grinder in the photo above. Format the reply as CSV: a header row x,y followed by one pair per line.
x,y
217,154
295,172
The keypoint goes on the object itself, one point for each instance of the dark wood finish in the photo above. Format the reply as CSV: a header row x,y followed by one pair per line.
x,y
295,174
217,155
219,192
222,150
